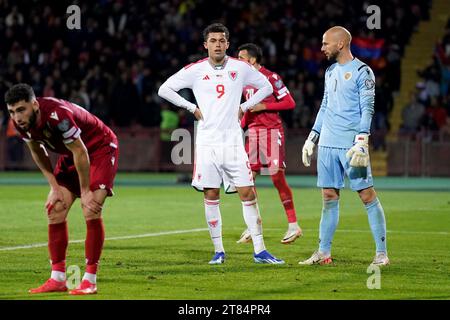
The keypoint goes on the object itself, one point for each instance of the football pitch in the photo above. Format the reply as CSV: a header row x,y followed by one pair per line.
x,y
158,247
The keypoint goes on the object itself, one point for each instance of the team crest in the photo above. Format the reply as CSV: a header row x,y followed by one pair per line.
x,y
213,223
347,75
233,75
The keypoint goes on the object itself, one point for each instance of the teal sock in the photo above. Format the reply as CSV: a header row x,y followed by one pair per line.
x,y
328,224
377,224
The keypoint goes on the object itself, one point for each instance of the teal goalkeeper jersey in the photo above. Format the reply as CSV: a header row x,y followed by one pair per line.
x,y
348,104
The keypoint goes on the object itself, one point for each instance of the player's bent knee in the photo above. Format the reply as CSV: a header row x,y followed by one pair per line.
x,y
57,216
212,194
367,195
247,193
330,194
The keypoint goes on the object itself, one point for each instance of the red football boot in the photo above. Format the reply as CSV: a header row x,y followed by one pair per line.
x,y
85,287
51,285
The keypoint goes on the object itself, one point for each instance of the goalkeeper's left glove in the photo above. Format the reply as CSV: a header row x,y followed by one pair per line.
x,y
359,153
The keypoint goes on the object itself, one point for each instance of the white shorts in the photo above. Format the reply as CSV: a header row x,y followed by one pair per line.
x,y
216,164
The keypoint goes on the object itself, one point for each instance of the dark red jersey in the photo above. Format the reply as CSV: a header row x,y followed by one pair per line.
x,y
279,100
61,122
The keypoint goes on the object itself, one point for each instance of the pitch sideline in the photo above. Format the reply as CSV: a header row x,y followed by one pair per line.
x,y
165,233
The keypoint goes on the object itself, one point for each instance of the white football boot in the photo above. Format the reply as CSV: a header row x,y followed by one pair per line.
x,y
381,259
245,237
317,258
292,235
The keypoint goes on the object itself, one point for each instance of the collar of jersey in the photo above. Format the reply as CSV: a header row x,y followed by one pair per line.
x,y
220,66
347,63
39,124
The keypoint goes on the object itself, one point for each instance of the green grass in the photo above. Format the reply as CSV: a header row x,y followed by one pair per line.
x,y
175,266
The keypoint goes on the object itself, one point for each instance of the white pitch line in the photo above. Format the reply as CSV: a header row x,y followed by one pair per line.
x,y
137,236
165,233
444,233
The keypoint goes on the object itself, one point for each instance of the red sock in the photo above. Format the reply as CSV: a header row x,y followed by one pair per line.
x,y
279,181
58,238
94,244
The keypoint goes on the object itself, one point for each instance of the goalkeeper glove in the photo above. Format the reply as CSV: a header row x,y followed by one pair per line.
x,y
359,153
308,147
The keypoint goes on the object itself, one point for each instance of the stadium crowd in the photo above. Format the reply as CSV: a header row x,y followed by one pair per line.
x,y
115,63
428,112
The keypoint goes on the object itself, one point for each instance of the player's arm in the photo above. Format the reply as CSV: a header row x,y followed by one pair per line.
x,y
82,165
359,153
258,80
313,137
169,91
40,157
366,90
285,103
284,99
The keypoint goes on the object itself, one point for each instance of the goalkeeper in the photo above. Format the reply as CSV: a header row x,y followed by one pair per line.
x,y
341,131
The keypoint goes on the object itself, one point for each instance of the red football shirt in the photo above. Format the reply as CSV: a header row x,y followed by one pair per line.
x,y
269,118
61,122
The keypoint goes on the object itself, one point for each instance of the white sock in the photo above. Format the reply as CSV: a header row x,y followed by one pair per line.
x,y
214,220
58,275
293,226
91,277
253,220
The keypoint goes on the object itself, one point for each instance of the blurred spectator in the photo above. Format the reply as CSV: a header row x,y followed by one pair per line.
x,y
14,147
169,122
412,115
14,18
434,90
445,130
124,101
437,112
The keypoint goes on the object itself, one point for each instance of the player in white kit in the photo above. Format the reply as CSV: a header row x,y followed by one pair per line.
x,y
217,83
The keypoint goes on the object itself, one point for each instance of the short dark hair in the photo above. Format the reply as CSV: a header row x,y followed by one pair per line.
x,y
215,27
19,92
253,51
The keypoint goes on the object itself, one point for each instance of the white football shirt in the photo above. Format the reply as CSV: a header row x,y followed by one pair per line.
x,y
218,92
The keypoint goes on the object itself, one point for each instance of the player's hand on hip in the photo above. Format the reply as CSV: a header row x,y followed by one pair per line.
x,y
198,114
259,107
55,200
359,153
88,202
308,148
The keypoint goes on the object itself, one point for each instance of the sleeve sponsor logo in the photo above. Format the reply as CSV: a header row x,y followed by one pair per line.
x,y
64,125
279,84
369,84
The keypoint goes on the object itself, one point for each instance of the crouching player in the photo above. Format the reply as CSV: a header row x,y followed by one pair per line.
x,y
85,169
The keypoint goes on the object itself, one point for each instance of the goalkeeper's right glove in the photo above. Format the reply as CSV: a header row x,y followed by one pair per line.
x,y
308,147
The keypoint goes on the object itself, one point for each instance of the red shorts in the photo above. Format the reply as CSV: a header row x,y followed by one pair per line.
x,y
265,149
102,170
